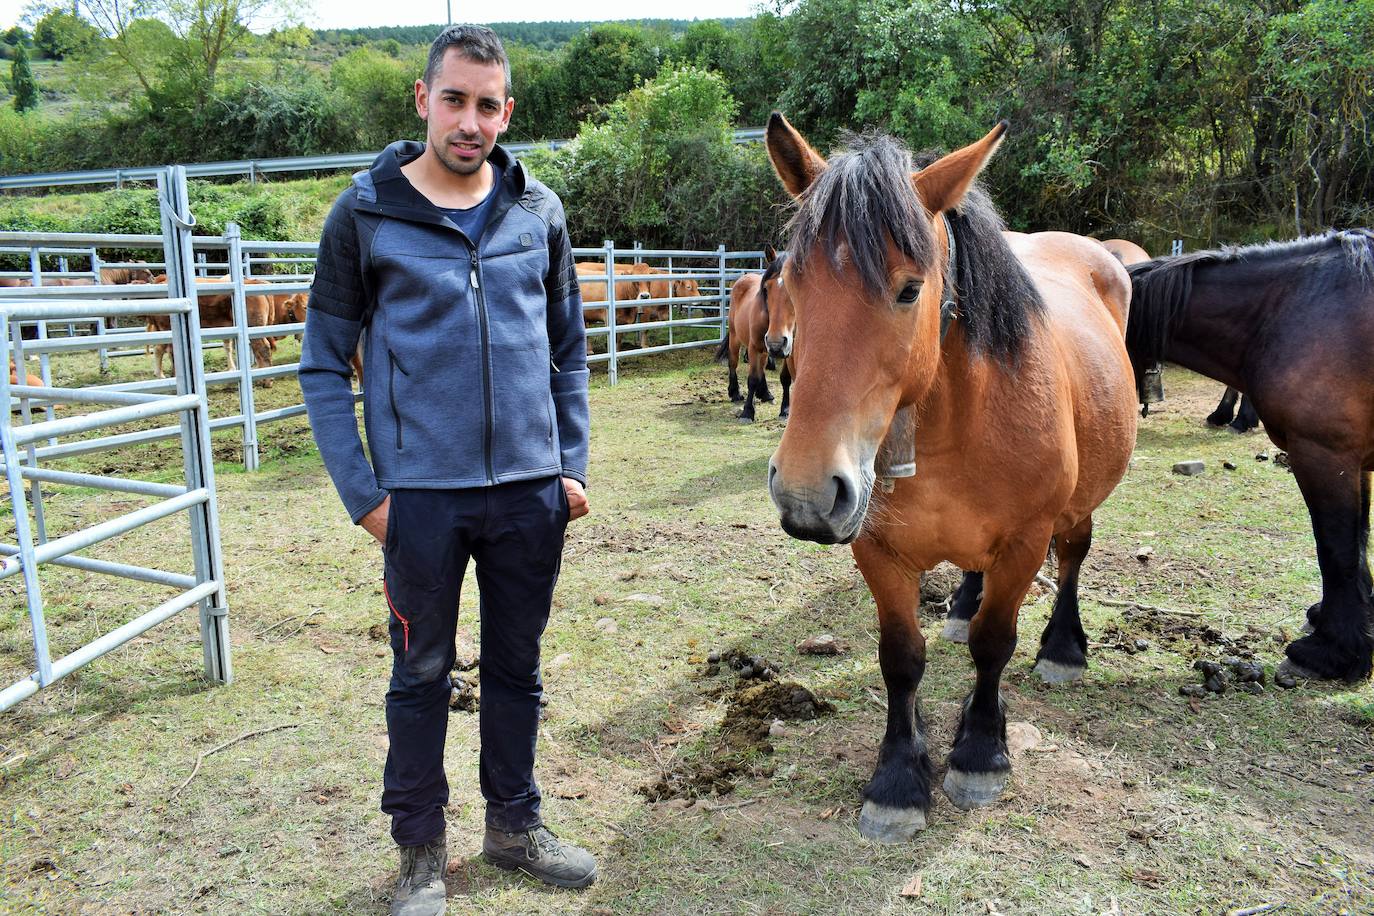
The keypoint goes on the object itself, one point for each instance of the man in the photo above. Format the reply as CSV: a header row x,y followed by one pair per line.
x,y
455,265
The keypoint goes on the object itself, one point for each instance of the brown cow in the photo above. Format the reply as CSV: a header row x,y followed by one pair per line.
x,y
217,311
594,291
664,288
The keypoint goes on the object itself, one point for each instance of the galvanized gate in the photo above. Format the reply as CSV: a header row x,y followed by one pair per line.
x,y
204,587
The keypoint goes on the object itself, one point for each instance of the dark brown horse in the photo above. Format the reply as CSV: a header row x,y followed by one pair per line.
x,y
1292,326
963,394
763,323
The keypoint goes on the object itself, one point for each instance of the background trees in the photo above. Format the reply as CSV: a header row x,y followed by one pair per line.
x,y
1219,120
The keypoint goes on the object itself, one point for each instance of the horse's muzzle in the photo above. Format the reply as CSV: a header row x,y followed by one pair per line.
x,y
779,348
832,513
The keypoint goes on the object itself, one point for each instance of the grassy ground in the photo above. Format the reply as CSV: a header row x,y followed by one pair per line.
x,y
1127,797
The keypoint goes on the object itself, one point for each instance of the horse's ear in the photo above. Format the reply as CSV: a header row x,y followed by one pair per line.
x,y
944,182
770,253
796,163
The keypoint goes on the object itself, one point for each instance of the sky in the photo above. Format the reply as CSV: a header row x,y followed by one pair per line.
x,y
329,14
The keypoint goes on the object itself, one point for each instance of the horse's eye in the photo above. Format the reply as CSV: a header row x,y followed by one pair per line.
x,y
909,292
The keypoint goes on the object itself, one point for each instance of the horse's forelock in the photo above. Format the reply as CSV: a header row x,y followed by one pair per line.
x,y
863,201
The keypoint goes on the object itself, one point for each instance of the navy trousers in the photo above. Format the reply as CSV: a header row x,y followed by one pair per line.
x,y
514,534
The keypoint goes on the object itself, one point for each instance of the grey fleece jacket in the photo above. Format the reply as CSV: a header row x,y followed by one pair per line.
x,y
474,349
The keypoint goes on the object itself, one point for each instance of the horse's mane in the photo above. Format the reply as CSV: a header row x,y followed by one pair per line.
x,y
1161,288
865,198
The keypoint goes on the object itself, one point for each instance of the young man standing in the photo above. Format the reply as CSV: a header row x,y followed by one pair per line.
x,y
454,267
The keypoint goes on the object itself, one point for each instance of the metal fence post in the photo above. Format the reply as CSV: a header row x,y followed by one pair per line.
x,y
62,267
44,364
234,236
612,372
198,456
1177,247
23,536
724,296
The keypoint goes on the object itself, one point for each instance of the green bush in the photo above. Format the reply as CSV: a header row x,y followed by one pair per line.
x,y
374,97
663,169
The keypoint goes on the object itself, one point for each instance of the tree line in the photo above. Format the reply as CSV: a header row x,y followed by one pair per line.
x,y
1226,120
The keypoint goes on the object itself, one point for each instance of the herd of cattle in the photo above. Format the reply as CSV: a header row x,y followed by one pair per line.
x,y
641,297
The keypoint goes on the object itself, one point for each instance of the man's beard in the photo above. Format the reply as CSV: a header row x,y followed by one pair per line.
x,y
453,163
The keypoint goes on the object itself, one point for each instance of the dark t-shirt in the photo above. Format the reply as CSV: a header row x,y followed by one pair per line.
x,y
473,220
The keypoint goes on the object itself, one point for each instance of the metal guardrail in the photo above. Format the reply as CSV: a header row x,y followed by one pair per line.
x,y
33,548
251,168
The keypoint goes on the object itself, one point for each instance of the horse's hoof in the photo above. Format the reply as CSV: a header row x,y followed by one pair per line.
x,y
884,824
744,418
736,398
1057,672
955,630
1291,670
974,790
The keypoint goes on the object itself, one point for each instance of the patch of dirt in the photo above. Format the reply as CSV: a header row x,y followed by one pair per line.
x,y
733,752
1190,637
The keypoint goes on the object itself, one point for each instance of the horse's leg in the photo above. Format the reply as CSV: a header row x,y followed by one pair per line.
x,y
963,604
1366,482
1063,652
1225,411
897,798
1246,418
754,382
229,354
978,763
1341,645
733,356
785,378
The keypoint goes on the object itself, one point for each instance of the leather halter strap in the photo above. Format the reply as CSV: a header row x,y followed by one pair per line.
x,y
949,301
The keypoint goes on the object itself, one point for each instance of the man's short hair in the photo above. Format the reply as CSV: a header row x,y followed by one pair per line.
x,y
475,42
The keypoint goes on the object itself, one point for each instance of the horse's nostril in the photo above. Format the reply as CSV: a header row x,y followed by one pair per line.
x,y
845,498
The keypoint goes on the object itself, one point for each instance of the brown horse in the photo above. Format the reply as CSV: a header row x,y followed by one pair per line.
x,y
761,321
1126,252
963,394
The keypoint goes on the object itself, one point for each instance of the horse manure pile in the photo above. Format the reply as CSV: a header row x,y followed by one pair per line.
x,y
1219,677
1185,635
741,740
464,694
749,667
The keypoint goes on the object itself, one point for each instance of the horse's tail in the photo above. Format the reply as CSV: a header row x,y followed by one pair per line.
x,y
723,351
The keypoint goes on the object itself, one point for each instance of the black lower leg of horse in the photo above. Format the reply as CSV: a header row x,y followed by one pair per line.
x,y
747,412
1247,418
1341,645
963,604
785,378
1063,651
978,763
764,394
1226,409
1366,482
897,798
734,386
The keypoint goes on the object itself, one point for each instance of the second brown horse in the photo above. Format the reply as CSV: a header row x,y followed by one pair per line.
x,y
761,321
963,395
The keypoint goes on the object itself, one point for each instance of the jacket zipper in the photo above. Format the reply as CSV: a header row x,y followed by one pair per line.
x,y
476,277
391,393
486,365
405,624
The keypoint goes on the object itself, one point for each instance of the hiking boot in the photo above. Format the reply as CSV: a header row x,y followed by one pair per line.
x,y
540,854
420,887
